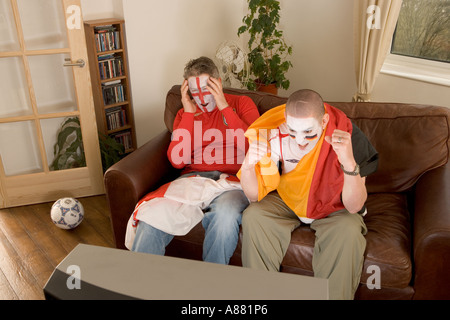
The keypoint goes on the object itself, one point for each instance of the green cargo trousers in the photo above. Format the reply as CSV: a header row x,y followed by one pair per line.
x,y
338,250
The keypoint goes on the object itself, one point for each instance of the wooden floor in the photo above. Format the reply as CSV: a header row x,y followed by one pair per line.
x,y
31,246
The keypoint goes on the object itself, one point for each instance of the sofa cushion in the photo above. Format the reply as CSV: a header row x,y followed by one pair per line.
x,y
388,243
388,239
410,140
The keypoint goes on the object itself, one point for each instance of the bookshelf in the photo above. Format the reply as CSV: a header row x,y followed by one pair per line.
x,y
108,63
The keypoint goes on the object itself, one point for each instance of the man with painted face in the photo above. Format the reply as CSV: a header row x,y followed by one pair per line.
x,y
213,144
307,163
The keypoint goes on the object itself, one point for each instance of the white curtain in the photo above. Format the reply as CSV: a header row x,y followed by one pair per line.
x,y
374,26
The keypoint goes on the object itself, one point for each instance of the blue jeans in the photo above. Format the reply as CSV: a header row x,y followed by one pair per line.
x,y
221,223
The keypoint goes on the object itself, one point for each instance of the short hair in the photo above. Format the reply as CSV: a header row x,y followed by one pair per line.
x,y
304,104
199,66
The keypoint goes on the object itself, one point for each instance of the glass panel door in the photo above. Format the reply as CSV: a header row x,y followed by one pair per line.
x,y
15,99
43,24
53,84
22,156
46,107
8,34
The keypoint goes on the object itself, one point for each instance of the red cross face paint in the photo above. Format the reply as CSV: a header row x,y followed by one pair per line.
x,y
199,91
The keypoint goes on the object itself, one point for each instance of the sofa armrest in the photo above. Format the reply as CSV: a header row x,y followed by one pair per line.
x,y
432,235
127,181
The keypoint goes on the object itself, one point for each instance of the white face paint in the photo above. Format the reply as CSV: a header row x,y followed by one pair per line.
x,y
204,99
305,131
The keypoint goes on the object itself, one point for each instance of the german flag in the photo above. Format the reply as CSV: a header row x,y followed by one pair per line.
x,y
313,189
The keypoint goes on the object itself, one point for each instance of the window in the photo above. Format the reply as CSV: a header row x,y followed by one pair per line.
x,y
421,43
423,30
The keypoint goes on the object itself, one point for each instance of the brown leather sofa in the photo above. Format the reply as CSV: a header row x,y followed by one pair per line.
x,y
408,205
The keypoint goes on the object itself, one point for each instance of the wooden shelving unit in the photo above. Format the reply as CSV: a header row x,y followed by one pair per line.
x,y
108,63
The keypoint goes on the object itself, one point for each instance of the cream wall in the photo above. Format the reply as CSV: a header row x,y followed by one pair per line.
x,y
163,35
99,9
397,89
321,33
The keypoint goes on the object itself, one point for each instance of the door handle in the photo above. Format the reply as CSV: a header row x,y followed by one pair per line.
x,y
79,63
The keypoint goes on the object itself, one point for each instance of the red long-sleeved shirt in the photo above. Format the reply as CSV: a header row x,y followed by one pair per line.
x,y
210,141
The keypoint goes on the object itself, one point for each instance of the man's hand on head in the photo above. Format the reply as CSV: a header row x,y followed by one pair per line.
x,y
188,105
216,89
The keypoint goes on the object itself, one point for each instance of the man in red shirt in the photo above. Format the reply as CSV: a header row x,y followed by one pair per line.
x,y
208,141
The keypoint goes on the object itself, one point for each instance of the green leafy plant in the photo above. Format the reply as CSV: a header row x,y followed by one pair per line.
x,y
268,49
111,151
68,150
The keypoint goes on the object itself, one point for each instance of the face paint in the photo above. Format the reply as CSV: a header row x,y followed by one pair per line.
x,y
305,131
204,99
311,138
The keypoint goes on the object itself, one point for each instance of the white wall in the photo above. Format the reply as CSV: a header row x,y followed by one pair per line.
x,y
100,9
321,33
163,35
396,89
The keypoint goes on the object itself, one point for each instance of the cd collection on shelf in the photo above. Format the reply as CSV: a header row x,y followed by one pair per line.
x,y
106,44
113,92
107,38
110,66
116,118
124,138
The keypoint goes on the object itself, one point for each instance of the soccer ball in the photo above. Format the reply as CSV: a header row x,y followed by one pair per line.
x,y
67,213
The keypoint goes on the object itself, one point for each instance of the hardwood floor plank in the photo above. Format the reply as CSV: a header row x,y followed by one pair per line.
x,y
6,292
98,218
100,203
33,257
31,246
19,277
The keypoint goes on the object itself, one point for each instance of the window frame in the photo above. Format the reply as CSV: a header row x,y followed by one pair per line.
x,y
416,68
420,69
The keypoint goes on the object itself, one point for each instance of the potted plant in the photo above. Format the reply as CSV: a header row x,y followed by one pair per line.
x,y
68,149
268,49
111,151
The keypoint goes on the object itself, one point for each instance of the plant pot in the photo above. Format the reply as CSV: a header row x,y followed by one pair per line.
x,y
271,88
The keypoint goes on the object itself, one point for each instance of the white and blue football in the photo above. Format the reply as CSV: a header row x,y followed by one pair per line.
x,y
67,213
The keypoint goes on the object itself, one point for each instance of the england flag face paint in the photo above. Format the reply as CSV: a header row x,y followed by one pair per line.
x,y
199,91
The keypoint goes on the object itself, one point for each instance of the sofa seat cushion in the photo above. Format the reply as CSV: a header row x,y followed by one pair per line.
x,y
388,243
388,239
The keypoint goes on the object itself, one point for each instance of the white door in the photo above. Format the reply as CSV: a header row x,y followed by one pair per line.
x,y
48,134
